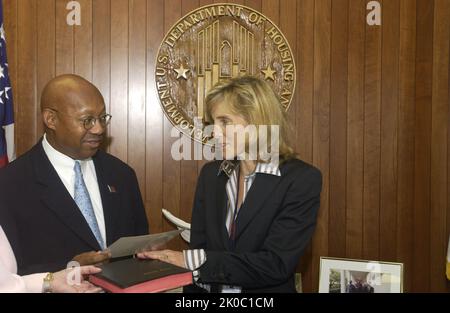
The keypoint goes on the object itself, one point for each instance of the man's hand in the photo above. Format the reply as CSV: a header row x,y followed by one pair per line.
x,y
92,258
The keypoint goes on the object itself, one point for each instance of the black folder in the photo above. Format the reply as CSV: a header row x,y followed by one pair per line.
x,y
135,275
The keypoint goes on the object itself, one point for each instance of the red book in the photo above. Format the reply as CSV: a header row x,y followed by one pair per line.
x,y
140,276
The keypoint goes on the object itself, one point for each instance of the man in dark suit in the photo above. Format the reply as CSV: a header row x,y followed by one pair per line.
x,y
65,199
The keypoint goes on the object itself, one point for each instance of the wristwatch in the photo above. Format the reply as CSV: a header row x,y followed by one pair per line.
x,y
46,287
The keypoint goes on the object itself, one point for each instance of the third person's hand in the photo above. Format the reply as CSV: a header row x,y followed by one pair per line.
x,y
92,257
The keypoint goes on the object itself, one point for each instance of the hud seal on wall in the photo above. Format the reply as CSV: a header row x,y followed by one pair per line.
x,y
214,43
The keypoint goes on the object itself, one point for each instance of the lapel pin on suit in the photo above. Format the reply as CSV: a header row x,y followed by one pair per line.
x,y
112,189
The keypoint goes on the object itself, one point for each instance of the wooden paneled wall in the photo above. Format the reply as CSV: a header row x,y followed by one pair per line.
x,y
371,111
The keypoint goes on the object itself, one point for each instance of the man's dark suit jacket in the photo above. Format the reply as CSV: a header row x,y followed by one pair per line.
x,y
274,225
44,225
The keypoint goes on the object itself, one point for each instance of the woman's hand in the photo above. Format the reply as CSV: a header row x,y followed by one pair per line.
x,y
168,256
60,281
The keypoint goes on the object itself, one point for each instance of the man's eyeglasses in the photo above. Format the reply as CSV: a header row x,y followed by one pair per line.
x,y
89,122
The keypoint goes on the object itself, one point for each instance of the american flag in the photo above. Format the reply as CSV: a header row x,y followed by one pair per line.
x,y
7,150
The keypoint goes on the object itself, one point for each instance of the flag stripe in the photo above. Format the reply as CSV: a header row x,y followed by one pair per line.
x,y
3,161
7,149
9,138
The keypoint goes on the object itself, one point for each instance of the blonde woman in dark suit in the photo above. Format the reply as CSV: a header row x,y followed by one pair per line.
x,y
252,216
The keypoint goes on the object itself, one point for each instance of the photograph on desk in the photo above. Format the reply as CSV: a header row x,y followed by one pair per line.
x,y
359,276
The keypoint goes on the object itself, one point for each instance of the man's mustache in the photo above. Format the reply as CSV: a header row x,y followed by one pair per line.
x,y
94,138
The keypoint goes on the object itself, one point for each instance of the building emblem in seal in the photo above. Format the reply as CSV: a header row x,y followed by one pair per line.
x,y
213,43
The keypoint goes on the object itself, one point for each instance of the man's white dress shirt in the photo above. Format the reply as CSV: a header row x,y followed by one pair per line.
x,y
64,166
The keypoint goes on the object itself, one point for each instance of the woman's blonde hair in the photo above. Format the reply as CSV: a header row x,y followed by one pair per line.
x,y
255,101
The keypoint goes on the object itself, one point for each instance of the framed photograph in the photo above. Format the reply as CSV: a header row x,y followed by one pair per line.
x,y
359,276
